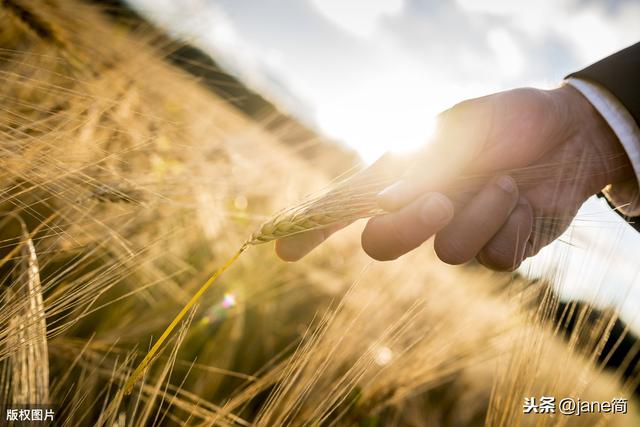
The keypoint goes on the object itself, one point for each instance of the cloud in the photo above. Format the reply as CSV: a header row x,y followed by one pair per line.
x,y
593,29
506,50
372,72
359,17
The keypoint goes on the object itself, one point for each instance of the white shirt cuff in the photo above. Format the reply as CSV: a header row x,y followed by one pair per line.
x,y
626,195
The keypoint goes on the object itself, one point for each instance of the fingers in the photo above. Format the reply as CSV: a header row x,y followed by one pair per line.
x,y
495,227
508,247
462,132
295,247
546,230
386,237
478,222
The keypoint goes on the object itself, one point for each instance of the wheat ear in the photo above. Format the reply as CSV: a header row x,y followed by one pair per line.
x,y
27,342
347,200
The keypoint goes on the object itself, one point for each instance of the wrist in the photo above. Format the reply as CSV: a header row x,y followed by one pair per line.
x,y
605,155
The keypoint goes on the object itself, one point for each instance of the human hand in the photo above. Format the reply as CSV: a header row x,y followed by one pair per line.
x,y
504,176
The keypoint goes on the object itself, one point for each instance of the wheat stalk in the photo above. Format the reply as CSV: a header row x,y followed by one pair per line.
x,y
356,197
139,371
352,198
28,339
347,200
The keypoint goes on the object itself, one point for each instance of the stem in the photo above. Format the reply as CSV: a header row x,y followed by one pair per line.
x,y
133,379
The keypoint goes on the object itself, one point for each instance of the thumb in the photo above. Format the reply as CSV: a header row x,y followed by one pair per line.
x,y
462,133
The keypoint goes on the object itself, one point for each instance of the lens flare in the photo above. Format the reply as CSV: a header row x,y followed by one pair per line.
x,y
228,300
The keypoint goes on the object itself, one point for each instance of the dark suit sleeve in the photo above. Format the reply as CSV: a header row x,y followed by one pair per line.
x,y
620,74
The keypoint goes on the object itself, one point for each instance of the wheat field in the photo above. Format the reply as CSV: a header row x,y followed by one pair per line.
x,y
125,183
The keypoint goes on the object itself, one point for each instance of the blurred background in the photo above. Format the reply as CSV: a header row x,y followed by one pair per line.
x,y
374,73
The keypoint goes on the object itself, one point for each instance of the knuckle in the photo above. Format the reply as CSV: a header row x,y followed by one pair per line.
x,y
463,106
452,251
408,229
458,112
404,237
375,242
378,254
521,221
524,210
497,257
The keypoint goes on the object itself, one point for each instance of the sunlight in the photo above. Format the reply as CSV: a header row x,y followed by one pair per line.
x,y
392,108
373,131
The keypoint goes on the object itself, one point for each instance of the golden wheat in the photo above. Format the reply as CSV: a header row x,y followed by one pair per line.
x,y
347,200
28,330
128,192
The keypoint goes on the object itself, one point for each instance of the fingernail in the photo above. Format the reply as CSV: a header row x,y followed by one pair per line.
x,y
436,209
506,183
389,197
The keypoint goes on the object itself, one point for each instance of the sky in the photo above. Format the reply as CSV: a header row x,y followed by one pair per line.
x,y
374,73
